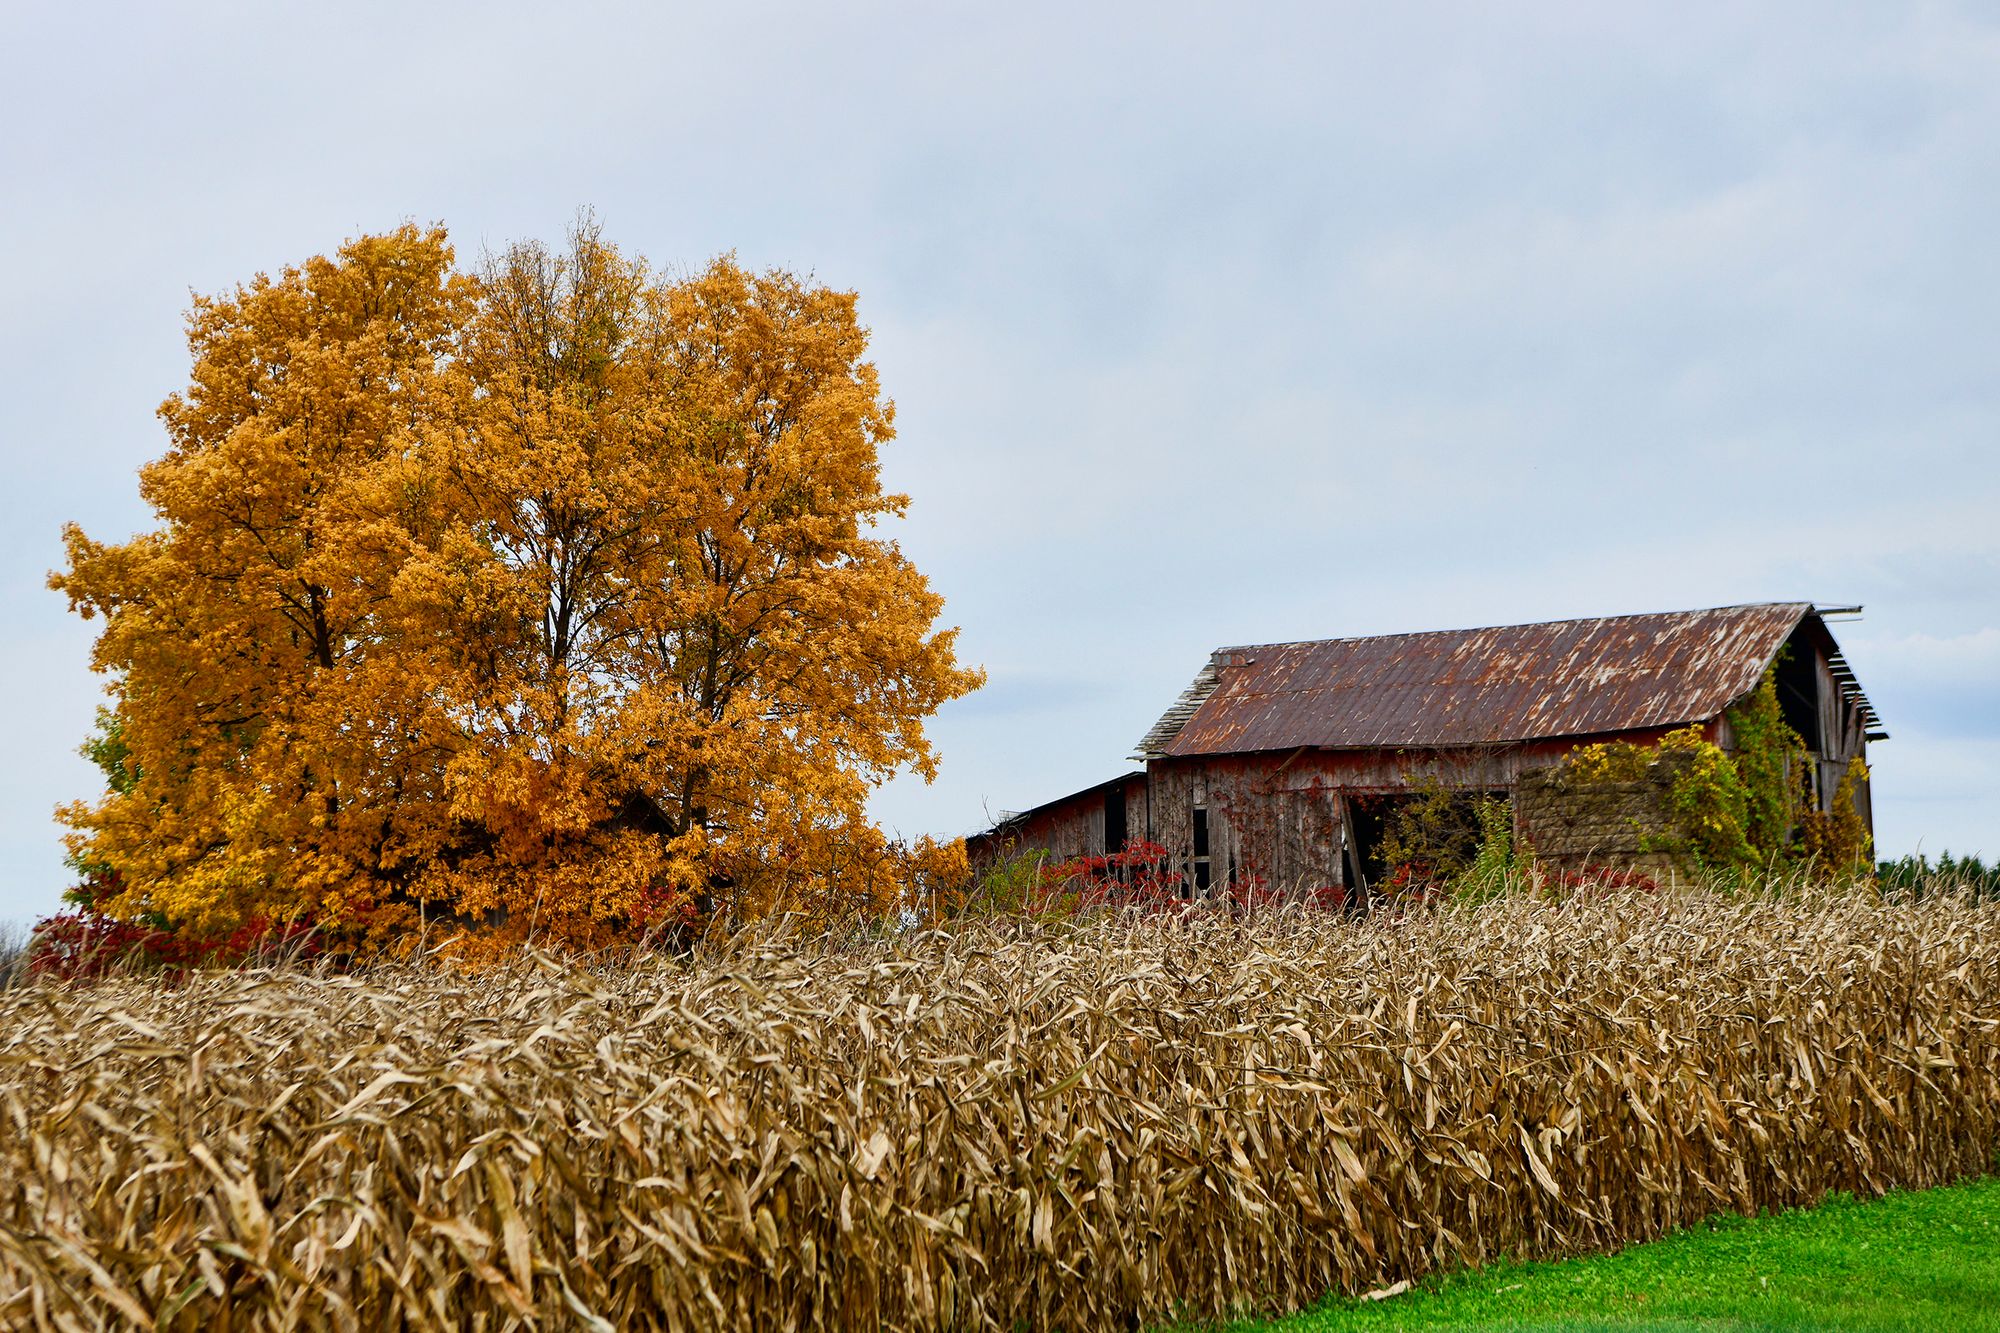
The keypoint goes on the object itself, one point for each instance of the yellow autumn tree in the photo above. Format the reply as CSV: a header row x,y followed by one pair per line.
x,y
611,636
273,747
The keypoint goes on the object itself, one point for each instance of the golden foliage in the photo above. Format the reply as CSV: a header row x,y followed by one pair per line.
x,y
1608,761
1712,805
521,598
1836,839
1001,1127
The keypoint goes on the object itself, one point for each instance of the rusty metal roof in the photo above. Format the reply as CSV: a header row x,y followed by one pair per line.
x,y
1480,686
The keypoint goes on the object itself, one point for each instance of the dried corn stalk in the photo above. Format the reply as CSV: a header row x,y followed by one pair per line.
x,y
1073,1126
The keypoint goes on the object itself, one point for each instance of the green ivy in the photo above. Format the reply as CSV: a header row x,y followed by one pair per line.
x,y
1771,764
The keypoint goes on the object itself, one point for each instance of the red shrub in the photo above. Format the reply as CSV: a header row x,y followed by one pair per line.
x,y
1139,878
1601,879
87,944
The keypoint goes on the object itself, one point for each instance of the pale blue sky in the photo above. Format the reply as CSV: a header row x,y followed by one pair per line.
x,y
1206,324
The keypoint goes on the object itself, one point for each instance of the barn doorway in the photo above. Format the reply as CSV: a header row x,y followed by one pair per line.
x,y
1426,838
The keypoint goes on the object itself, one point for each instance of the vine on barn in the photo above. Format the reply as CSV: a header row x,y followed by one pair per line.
x,y
1737,810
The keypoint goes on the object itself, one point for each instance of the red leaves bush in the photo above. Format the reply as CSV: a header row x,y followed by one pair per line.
x,y
85,945
1602,880
1139,879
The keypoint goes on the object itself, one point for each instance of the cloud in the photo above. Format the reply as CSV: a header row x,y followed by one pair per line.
x,y
1935,793
1309,321
1936,685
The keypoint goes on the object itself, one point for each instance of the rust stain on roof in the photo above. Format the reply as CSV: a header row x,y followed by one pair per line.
x,y
1479,686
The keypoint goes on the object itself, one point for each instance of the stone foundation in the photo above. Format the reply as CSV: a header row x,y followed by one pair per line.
x,y
1622,825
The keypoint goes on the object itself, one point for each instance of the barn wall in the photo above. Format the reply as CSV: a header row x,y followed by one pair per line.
x,y
1845,739
1284,819
1064,829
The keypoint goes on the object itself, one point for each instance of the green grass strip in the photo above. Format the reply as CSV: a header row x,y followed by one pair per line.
x,y
1927,1259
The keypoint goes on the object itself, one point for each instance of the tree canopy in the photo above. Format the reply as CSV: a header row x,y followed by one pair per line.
x,y
549,597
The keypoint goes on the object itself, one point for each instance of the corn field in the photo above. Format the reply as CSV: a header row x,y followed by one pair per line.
x,y
1082,1126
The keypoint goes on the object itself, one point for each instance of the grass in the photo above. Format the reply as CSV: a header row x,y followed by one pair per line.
x,y
1927,1259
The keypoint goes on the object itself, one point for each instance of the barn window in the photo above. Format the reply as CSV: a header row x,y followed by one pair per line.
x,y
1114,821
1201,873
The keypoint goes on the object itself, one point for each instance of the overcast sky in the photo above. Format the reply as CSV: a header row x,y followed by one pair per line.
x,y
1205,324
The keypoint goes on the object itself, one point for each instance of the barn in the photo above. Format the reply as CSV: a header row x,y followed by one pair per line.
x,y
1285,762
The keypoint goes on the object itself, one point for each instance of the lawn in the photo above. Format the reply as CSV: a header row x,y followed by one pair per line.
x,y
1926,1259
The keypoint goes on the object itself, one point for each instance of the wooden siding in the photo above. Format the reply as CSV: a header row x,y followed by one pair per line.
x,y
1070,827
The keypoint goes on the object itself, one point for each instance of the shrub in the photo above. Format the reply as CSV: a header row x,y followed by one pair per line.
x,y
1837,839
1442,839
1142,877
86,944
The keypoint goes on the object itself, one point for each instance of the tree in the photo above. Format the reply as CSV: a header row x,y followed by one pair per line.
x,y
251,637
551,599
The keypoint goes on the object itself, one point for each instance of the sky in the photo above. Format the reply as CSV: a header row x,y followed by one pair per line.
x,y
1205,324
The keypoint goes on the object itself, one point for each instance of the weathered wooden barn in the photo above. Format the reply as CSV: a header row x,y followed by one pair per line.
x,y
1283,761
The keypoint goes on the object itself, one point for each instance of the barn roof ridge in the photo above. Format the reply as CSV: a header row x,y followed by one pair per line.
x,y
1803,607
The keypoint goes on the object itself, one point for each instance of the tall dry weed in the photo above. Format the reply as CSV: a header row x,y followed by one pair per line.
x,y
1082,1127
